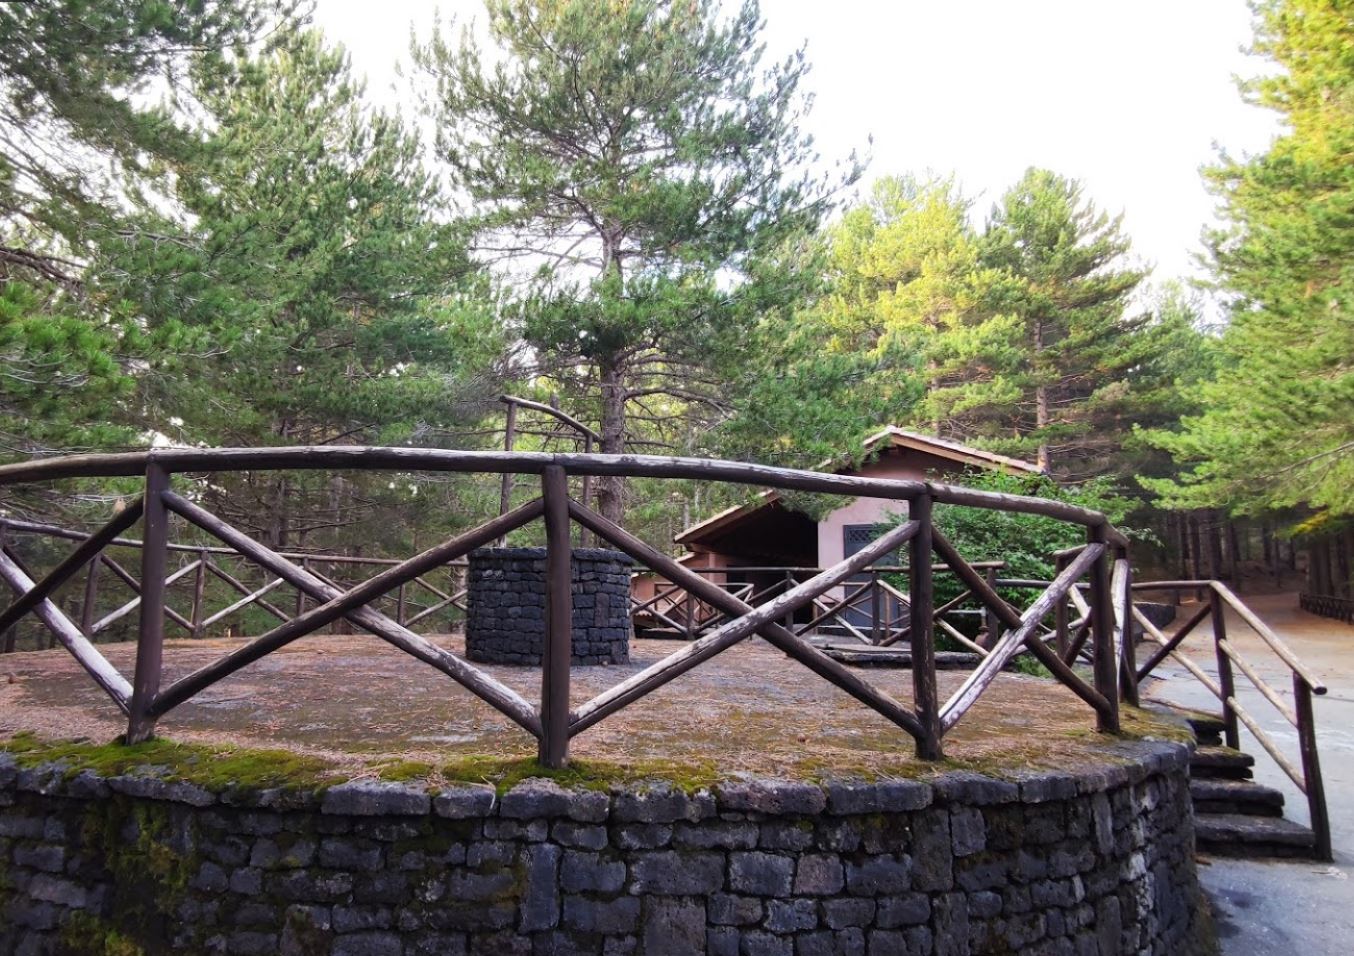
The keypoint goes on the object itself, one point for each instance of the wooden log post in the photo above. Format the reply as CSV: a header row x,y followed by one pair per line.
x,y
559,610
91,598
199,587
301,594
876,608
151,634
1311,769
585,537
1226,685
1060,615
921,598
1128,674
990,616
505,488
1102,625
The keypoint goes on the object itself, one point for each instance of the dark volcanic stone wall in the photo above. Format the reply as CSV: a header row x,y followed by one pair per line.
x,y
1096,863
506,599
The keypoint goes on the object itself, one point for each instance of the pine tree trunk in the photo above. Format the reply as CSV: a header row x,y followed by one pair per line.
x,y
1040,403
610,489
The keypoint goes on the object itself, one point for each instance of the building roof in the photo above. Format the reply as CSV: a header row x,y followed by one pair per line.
x,y
896,437
889,437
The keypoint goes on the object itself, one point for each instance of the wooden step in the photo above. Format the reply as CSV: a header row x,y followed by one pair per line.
x,y
1252,837
1224,762
865,655
1220,795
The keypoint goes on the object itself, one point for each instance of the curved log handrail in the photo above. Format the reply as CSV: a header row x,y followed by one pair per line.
x,y
377,458
552,724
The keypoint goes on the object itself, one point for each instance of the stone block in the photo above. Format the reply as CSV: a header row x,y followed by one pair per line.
x,y
673,926
465,802
371,798
589,915
761,874
779,797
673,873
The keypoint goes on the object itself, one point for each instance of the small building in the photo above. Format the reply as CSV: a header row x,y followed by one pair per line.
x,y
752,547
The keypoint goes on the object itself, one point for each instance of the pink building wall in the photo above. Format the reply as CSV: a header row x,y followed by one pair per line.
x,y
909,465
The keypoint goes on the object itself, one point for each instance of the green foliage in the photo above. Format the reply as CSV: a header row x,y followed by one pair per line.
x,y
1275,430
61,383
78,126
1014,338
1026,542
314,293
642,161
1063,289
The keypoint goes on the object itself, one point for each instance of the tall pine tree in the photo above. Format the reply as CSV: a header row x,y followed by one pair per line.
x,y
1277,426
1066,286
307,295
641,163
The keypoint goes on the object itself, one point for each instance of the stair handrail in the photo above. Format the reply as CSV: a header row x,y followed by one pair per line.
x,y
1306,683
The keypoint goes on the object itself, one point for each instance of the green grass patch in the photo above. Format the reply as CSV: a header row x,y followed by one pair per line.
x,y
215,768
506,773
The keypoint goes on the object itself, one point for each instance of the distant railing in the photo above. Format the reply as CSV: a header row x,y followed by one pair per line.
x,y
1307,777
869,609
1328,605
1103,561
212,562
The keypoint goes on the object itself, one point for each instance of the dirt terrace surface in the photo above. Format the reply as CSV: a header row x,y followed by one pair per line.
x,y
351,699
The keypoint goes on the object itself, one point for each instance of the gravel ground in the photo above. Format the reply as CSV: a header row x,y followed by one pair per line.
x,y
352,698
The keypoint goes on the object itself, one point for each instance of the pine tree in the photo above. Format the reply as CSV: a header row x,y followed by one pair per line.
x,y
643,164
1065,292
309,296
75,76
1277,426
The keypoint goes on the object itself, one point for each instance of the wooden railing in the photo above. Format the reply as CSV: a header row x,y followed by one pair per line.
x,y
417,600
1328,605
1229,661
869,609
1102,560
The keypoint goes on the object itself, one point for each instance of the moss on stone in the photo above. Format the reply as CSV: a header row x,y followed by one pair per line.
x,y
86,935
403,771
506,773
214,768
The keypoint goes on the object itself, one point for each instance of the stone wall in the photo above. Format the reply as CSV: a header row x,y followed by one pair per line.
x,y
1090,863
505,623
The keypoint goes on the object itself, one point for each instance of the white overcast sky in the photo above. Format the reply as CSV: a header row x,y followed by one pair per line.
x,y
1129,97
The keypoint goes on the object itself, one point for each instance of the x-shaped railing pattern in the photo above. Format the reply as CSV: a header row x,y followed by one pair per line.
x,y
732,616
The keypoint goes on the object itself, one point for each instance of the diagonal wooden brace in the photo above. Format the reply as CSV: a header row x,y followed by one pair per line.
x,y
338,603
65,631
1012,619
87,549
748,620
1011,642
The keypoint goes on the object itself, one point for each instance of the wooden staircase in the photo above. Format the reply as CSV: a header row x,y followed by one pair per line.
x,y
1233,815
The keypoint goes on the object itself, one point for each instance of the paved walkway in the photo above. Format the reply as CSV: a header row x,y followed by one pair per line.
x,y
1286,907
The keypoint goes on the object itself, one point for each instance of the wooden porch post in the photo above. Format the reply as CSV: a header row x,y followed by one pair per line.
x,y
151,635
554,744
921,588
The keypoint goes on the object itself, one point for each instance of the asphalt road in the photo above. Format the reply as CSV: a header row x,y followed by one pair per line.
x,y
1290,907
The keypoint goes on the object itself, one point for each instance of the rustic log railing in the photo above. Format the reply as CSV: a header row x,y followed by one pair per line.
x,y
208,562
886,611
1328,605
554,723
1228,660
